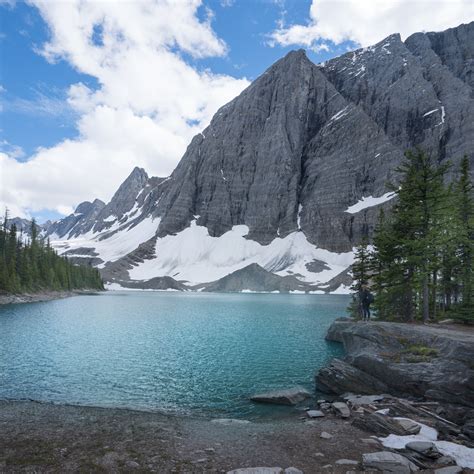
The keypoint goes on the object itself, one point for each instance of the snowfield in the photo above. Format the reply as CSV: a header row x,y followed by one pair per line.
x,y
196,257
463,455
117,245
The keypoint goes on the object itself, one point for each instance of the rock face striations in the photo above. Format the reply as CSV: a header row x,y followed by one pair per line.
x,y
292,154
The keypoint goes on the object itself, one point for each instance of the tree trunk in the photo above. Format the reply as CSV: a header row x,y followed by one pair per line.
x,y
426,299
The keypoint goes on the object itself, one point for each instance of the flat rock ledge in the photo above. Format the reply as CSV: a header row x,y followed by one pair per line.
x,y
291,396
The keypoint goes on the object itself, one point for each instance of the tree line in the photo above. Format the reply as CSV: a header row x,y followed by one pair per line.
x,y
32,265
421,260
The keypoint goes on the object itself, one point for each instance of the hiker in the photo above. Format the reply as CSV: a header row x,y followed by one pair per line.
x,y
366,298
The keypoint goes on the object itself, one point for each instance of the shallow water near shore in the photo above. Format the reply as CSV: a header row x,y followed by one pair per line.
x,y
195,354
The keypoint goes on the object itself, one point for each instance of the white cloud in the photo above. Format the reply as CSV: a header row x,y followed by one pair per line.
x,y
149,104
368,21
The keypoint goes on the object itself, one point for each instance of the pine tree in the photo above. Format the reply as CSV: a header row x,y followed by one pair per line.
x,y
407,249
464,238
360,276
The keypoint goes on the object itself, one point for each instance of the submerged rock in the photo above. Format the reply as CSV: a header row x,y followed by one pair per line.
x,y
290,396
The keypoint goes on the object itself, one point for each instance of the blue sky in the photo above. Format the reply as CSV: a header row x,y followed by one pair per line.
x,y
87,92
34,114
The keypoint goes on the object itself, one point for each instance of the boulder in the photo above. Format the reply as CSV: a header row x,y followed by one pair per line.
x,y
426,448
449,470
388,462
380,425
315,413
410,426
342,409
468,429
357,400
290,396
341,377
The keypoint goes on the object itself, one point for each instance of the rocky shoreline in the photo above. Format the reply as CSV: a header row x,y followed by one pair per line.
x,y
7,298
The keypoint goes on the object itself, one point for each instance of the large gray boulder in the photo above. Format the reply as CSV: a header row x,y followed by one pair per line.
x,y
388,462
291,396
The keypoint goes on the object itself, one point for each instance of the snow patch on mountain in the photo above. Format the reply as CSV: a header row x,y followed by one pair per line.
x,y
194,256
369,201
110,247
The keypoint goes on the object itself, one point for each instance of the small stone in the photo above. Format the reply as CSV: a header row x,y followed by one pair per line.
x,y
370,441
342,409
321,400
327,466
384,411
346,462
230,421
325,435
293,470
257,470
315,413
199,461
132,464
319,454
324,406
210,450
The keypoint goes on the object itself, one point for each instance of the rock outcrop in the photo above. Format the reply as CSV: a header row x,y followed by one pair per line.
x,y
255,278
405,360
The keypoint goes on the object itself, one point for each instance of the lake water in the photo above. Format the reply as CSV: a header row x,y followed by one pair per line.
x,y
200,354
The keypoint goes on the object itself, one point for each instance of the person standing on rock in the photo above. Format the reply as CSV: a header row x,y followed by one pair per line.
x,y
366,298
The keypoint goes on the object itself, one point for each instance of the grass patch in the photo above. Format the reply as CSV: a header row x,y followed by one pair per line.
x,y
420,350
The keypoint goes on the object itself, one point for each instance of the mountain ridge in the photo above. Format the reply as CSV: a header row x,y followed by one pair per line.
x,y
280,168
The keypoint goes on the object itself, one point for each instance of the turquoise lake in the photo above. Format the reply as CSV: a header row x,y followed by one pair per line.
x,y
197,354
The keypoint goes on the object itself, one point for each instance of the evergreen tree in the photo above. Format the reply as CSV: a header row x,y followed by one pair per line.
x,y
360,276
464,239
407,247
35,266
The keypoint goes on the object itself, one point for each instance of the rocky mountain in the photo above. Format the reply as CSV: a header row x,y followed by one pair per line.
x,y
290,174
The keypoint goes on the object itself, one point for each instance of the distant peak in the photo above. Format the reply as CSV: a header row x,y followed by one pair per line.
x,y
137,174
295,56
